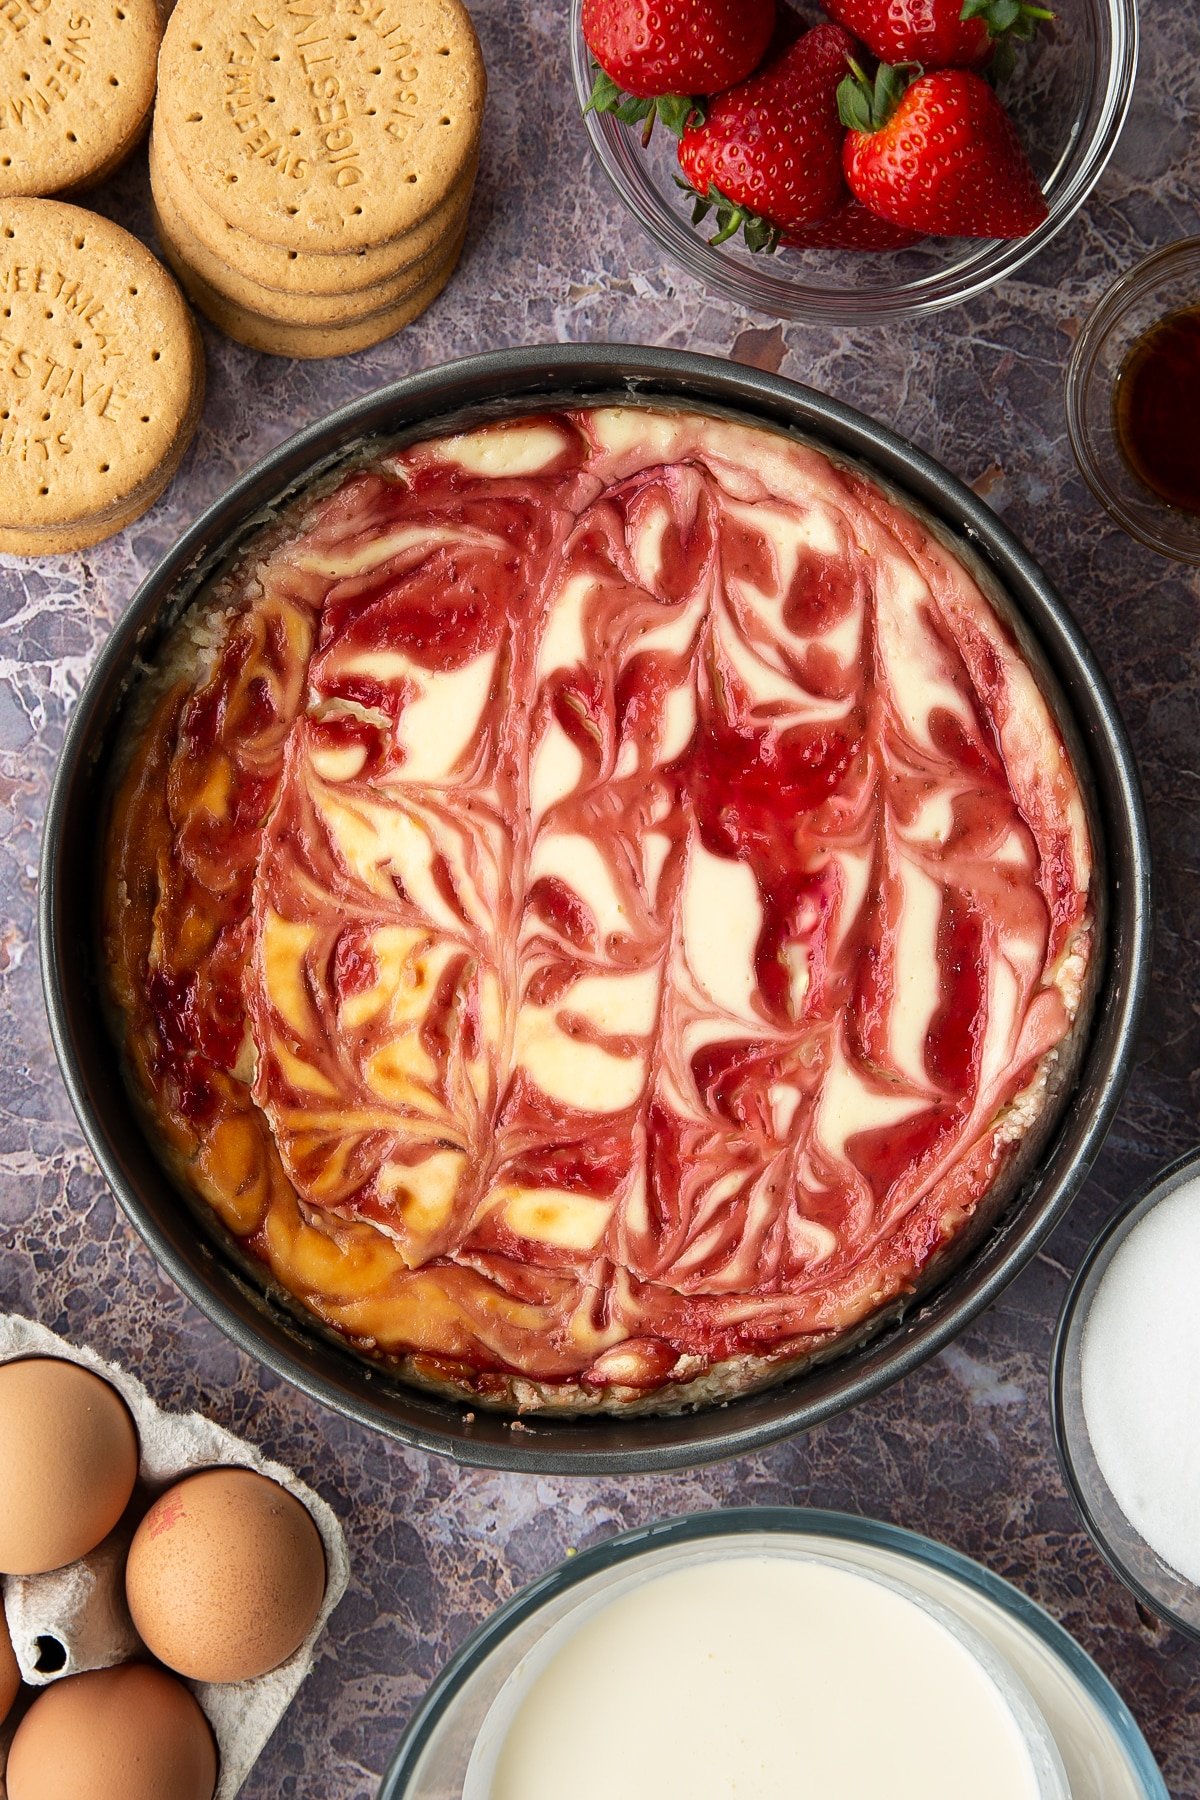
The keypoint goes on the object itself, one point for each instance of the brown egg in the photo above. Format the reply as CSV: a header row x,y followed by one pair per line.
x,y
68,1462
10,1675
226,1575
130,1733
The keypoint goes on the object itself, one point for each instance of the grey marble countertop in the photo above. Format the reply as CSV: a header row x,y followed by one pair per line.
x,y
961,1449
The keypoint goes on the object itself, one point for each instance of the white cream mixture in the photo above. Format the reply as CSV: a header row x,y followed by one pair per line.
x,y
761,1678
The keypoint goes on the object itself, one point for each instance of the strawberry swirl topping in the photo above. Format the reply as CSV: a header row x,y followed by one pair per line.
x,y
595,905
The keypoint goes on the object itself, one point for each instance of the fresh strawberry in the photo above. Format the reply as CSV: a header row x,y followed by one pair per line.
x,y
938,34
768,155
657,57
938,154
852,227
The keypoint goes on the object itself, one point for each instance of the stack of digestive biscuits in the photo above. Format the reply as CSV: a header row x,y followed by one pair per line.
x,y
76,89
101,378
312,163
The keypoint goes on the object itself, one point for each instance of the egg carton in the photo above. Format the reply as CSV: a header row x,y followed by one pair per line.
x,y
76,1618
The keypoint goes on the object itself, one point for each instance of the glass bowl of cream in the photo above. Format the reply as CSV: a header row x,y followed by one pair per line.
x,y
1125,1396
726,1652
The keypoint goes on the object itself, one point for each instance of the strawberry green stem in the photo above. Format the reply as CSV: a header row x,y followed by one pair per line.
x,y
675,111
1006,18
867,106
759,234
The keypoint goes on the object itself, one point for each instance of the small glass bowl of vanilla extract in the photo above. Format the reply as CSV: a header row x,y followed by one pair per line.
x,y
1133,401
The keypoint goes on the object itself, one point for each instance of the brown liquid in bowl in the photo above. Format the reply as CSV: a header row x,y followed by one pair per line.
x,y
1157,409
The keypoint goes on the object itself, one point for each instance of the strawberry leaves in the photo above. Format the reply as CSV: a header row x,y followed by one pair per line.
x,y
1006,18
1007,22
759,234
864,105
673,110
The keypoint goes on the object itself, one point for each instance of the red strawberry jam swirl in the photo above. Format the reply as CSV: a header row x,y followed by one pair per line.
x,y
597,910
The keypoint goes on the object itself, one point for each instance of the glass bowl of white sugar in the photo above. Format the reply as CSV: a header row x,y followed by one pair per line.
x,y
1125,1393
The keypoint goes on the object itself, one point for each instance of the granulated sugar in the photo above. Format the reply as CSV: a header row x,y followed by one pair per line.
x,y
1140,1373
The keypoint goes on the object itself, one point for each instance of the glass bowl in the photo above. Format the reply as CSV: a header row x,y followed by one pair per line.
x,y
585,1600
1069,98
1163,283
1103,1755
1166,1592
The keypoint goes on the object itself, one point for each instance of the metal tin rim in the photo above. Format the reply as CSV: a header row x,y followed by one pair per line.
x,y
785,1520
599,1445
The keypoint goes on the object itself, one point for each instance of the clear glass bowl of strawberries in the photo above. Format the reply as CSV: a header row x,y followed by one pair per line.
x,y
853,160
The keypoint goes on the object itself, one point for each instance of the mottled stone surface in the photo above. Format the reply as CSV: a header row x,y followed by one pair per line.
x,y
962,1449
